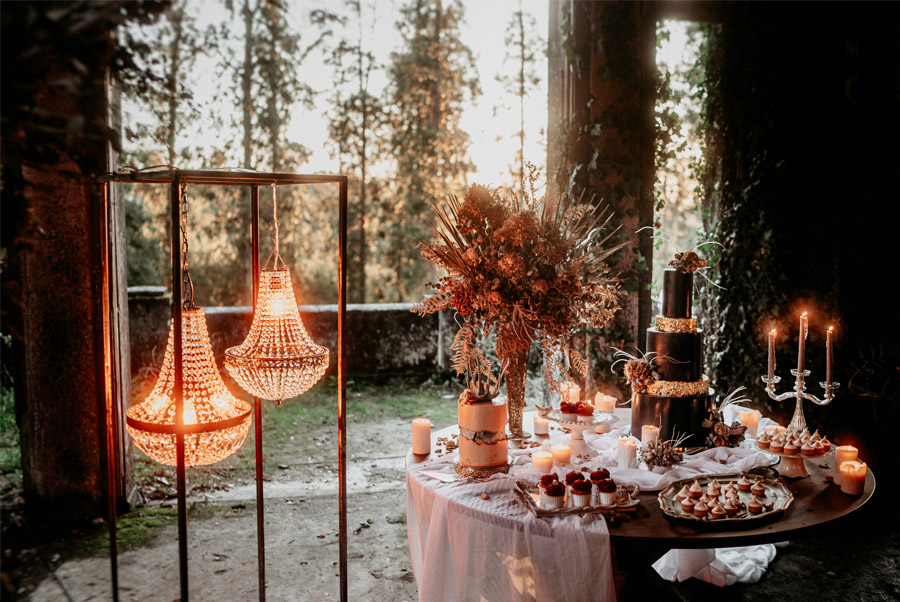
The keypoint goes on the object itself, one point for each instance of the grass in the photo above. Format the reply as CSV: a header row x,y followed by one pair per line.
x,y
10,451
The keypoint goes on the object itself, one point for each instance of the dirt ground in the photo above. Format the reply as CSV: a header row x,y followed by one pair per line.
x,y
859,561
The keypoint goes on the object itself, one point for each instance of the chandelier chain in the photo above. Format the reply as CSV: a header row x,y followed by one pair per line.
x,y
187,283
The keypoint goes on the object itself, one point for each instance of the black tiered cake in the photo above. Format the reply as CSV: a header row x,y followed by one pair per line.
x,y
680,400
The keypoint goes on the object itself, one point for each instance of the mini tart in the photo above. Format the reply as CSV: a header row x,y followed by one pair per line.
x,y
819,448
815,436
826,444
762,442
701,509
683,493
731,507
717,511
687,504
712,490
755,506
777,445
743,484
790,449
809,450
758,489
695,490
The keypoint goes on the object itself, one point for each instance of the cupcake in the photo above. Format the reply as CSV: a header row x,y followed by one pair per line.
x,y
683,493
717,511
790,449
777,445
687,504
818,448
701,509
581,493
763,441
568,411
731,507
743,484
598,475
755,506
695,490
547,480
607,490
808,450
758,489
553,496
585,413
826,444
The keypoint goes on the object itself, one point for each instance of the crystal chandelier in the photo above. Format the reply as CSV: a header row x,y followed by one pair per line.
x,y
215,423
278,359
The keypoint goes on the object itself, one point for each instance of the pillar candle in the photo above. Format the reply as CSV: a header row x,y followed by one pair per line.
x,y
562,455
828,355
750,419
649,433
421,436
853,477
771,354
570,392
541,426
604,403
843,453
801,354
627,453
542,461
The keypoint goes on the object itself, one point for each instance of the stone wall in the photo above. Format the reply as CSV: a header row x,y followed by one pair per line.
x,y
382,339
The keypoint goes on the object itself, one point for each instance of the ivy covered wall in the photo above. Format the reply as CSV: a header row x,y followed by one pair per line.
x,y
801,116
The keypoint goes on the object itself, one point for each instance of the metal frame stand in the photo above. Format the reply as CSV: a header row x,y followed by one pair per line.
x,y
175,178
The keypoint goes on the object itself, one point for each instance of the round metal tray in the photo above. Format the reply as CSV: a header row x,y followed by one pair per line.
x,y
778,499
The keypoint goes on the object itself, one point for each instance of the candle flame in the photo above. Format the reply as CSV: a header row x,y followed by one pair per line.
x,y
772,332
803,314
831,329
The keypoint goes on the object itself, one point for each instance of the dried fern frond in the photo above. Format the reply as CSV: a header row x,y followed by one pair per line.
x,y
430,305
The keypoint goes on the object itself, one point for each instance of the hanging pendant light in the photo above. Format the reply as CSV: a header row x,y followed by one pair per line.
x,y
215,423
278,359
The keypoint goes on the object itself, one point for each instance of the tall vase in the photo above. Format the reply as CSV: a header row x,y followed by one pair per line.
x,y
515,392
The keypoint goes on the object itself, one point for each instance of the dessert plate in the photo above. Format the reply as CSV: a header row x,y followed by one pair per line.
x,y
778,499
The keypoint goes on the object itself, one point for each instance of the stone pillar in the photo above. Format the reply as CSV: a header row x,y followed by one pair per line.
x,y
602,74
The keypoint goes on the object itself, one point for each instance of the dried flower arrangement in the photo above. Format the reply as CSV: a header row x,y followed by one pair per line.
x,y
468,358
640,371
529,267
661,453
720,433
688,262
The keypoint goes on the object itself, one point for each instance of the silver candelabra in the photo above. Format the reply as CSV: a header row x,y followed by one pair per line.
x,y
798,422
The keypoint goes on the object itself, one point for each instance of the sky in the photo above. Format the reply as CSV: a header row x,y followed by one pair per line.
x,y
493,136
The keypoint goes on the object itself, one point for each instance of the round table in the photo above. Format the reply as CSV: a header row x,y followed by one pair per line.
x,y
636,544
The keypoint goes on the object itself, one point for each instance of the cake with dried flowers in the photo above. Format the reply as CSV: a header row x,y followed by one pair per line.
x,y
678,396
483,441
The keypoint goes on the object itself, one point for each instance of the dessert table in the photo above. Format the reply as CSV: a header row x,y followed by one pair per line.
x,y
471,540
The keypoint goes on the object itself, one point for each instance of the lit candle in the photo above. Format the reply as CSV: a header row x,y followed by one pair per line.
x,y
562,455
541,426
843,453
649,433
421,436
828,354
750,419
604,403
542,461
570,392
853,477
627,453
801,354
771,354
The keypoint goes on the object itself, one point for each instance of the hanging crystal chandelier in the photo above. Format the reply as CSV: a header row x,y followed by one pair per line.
x,y
215,423
278,359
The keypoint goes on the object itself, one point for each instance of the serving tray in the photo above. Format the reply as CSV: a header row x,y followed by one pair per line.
x,y
778,499
529,495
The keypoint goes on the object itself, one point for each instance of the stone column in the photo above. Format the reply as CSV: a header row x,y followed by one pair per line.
x,y
602,73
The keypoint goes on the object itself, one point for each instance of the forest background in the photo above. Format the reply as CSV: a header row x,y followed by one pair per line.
x,y
411,100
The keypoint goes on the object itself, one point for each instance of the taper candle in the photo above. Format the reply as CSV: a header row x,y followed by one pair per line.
x,y
828,336
853,477
772,354
843,453
421,436
562,454
542,461
801,353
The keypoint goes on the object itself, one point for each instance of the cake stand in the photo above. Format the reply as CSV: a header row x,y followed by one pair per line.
x,y
793,466
579,448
